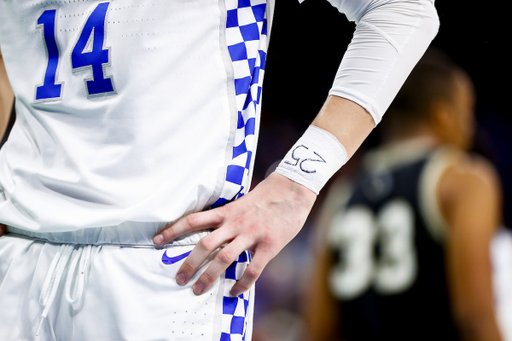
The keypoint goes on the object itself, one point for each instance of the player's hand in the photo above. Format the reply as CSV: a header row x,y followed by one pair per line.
x,y
263,222
3,229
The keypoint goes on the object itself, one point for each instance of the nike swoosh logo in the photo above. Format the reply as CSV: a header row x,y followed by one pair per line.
x,y
171,260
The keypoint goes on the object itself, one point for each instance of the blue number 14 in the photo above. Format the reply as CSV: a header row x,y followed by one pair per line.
x,y
88,53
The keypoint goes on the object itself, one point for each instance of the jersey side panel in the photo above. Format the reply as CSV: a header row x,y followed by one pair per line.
x,y
246,38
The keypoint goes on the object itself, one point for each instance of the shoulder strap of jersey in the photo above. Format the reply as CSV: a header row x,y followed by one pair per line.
x,y
430,209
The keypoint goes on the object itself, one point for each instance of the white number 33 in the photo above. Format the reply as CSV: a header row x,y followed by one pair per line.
x,y
355,232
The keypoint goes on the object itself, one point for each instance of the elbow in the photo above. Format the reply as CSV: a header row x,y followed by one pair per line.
x,y
410,18
390,38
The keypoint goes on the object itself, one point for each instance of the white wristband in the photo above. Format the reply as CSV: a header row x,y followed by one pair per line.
x,y
314,159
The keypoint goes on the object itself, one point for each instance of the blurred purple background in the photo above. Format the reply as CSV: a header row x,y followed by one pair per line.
x,y
306,46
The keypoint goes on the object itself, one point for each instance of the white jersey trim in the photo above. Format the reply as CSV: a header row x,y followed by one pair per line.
x,y
428,198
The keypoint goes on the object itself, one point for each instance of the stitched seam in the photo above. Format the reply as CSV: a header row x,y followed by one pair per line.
x,y
381,33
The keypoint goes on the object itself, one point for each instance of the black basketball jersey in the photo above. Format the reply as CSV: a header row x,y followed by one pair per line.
x,y
389,272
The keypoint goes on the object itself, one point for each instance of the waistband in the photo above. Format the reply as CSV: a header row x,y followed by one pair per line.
x,y
130,235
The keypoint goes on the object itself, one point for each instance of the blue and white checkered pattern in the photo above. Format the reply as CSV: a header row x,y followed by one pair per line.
x,y
234,309
246,35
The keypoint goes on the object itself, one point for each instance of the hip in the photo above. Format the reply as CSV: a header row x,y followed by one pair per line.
x,y
106,292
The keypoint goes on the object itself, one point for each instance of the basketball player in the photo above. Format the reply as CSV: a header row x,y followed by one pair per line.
x,y
138,119
407,251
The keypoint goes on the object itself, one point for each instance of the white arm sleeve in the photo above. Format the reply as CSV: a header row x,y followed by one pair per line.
x,y
390,38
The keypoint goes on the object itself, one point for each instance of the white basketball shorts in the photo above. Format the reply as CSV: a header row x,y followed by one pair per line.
x,y
68,291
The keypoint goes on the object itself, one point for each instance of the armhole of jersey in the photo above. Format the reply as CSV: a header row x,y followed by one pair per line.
x,y
429,205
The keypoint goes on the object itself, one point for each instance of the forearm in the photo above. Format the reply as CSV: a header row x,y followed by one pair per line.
x,y
347,121
390,38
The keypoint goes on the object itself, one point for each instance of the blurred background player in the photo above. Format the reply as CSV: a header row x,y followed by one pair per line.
x,y
406,250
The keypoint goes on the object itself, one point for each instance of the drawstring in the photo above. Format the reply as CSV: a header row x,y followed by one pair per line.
x,y
55,273
52,280
79,289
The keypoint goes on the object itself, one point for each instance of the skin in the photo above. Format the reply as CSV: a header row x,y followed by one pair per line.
x,y
469,198
267,218
6,101
6,97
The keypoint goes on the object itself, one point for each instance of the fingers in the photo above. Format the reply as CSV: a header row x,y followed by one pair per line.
x,y
192,222
206,246
221,262
218,266
251,274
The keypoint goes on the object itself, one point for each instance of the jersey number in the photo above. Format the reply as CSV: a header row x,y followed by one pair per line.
x,y
354,234
87,53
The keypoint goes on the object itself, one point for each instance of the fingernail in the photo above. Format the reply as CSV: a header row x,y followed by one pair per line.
x,y
235,293
158,239
198,288
181,278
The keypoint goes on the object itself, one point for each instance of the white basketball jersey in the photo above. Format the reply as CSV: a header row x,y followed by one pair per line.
x,y
129,111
